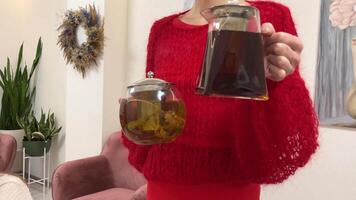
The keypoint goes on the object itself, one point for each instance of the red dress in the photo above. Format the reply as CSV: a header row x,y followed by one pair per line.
x,y
204,191
225,141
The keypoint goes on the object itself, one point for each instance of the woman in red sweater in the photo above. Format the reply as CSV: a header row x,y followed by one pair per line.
x,y
229,147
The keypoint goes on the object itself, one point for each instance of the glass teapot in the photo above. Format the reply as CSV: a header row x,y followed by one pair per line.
x,y
234,63
153,112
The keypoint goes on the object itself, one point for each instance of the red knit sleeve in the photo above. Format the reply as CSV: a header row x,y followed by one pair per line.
x,y
282,132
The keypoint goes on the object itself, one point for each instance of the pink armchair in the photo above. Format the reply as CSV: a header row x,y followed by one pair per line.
x,y
108,176
7,152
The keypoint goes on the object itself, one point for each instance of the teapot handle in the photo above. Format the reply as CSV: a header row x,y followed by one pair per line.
x,y
122,100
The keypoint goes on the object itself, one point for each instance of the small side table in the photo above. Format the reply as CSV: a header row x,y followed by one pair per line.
x,y
46,162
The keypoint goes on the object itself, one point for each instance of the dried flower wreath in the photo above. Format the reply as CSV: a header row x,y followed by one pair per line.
x,y
84,55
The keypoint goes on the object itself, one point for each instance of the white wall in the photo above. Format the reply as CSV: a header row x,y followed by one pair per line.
x,y
22,23
115,58
10,10
84,103
92,103
142,13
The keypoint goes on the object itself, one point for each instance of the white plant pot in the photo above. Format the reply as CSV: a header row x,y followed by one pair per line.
x,y
18,135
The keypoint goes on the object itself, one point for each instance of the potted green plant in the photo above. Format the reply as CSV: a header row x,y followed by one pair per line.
x,y
17,97
38,133
18,93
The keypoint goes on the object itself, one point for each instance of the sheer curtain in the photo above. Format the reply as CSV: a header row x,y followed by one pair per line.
x,y
335,69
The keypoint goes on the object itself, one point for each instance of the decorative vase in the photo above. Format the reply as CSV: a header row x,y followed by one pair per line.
x,y
18,135
351,99
36,148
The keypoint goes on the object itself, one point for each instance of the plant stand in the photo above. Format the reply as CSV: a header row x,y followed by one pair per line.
x,y
46,160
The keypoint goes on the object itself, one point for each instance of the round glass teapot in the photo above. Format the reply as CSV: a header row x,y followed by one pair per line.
x,y
153,112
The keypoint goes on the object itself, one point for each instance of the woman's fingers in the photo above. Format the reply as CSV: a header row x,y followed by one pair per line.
x,y
282,49
283,52
267,29
281,37
276,73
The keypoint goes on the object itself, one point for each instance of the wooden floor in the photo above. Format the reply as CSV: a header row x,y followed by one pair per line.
x,y
36,192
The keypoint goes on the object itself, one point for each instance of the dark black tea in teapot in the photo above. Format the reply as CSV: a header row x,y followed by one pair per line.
x,y
235,60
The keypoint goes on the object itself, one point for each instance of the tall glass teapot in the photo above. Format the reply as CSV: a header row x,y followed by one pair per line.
x,y
234,63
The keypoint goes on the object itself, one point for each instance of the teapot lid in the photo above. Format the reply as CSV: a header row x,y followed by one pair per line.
x,y
230,10
150,81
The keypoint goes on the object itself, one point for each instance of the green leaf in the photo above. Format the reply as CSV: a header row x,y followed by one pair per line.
x,y
19,60
2,75
17,98
8,69
8,63
25,73
38,135
37,58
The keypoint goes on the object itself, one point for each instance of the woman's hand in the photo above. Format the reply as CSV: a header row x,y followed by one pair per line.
x,y
283,52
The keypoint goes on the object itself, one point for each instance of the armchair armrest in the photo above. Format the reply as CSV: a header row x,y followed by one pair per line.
x,y
140,193
2,164
7,152
81,177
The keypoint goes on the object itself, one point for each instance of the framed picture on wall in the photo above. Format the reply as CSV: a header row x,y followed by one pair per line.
x,y
335,93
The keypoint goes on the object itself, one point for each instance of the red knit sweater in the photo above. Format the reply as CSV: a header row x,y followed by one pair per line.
x,y
227,139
